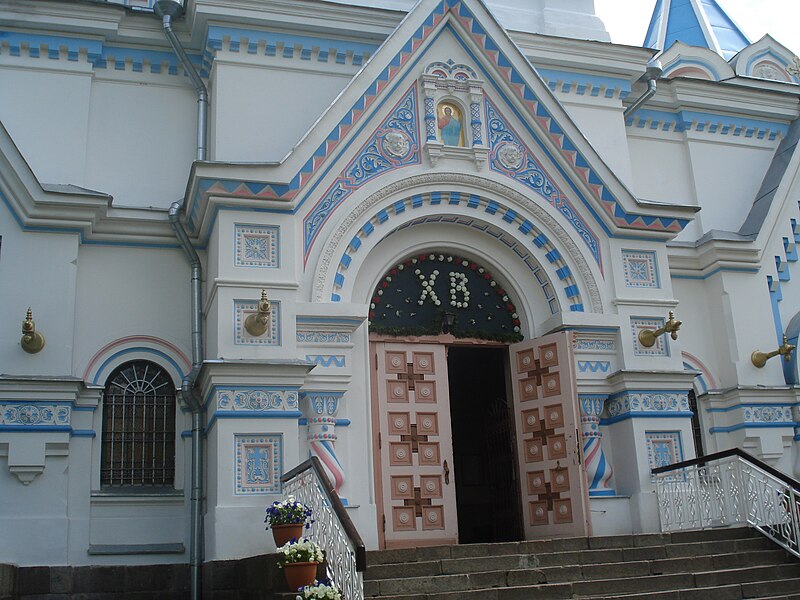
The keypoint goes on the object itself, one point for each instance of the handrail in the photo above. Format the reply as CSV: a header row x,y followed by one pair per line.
x,y
702,460
332,528
336,505
730,488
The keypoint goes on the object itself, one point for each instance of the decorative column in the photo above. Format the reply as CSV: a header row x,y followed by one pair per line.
x,y
598,470
476,95
321,409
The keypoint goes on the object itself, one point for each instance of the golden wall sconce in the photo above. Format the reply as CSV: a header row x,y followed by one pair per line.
x,y
759,359
256,323
32,341
647,337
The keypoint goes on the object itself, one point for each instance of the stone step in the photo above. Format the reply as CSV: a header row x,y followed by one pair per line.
x,y
627,580
421,554
669,559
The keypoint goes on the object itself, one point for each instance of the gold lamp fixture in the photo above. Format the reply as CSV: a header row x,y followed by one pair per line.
x,y
647,337
256,323
32,341
759,359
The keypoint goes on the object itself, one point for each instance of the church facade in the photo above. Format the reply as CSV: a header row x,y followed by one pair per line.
x,y
488,267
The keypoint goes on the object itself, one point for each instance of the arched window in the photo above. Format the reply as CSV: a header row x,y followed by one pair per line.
x,y
138,427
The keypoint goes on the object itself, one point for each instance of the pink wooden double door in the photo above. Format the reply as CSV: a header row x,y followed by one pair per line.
x,y
416,496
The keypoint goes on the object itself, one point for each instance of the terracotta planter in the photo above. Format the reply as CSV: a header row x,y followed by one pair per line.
x,y
300,574
284,533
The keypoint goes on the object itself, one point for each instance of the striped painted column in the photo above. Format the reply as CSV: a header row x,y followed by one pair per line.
x,y
321,408
598,469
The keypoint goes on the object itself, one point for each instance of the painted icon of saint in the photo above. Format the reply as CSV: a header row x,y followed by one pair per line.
x,y
449,120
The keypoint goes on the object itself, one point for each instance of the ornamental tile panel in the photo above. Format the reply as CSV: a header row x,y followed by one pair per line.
x,y
663,448
243,309
258,463
639,269
257,246
648,402
660,348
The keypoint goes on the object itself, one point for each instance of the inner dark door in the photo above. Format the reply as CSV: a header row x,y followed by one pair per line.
x,y
483,446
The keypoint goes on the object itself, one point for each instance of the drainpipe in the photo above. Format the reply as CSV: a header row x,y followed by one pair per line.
x,y
651,74
167,10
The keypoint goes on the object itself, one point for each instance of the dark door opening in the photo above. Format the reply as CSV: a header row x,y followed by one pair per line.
x,y
483,446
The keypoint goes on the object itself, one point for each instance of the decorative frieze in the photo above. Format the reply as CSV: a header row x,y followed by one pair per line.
x,y
27,414
648,403
308,336
258,463
256,400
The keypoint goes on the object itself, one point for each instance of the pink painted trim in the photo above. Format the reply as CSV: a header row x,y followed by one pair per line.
x,y
136,338
702,368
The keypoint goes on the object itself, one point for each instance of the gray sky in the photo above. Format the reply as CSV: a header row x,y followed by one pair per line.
x,y
627,20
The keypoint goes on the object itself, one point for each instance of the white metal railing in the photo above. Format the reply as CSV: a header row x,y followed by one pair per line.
x,y
332,528
727,489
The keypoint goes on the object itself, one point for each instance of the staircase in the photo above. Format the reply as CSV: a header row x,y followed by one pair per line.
x,y
710,565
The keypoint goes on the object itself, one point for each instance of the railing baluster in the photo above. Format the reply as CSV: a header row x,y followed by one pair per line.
x,y
332,528
726,489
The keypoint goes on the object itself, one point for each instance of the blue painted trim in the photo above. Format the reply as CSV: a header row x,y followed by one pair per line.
x,y
737,427
688,120
143,350
627,392
339,422
88,433
35,428
601,493
685,61
647,415
592,396
594,83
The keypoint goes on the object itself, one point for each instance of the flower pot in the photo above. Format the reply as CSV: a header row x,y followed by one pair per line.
x,y
300,574
283,533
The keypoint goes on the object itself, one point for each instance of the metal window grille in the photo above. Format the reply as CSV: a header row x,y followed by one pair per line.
x,y
138,447
697,430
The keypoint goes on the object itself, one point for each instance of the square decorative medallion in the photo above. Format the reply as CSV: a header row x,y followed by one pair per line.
x,y
663,448
660,348
245,308
259,463
639,269
256,246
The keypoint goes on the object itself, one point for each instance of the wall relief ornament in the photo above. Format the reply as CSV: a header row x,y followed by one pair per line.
x,y
341,237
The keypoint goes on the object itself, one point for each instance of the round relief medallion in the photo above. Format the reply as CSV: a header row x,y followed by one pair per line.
x,y
534,450
397,392
551,385
433,517
554,416
424,362
562,509
557,446
510,156
531,420
427,423
399,423
539,511
428,453
528,388
425,392
537,481
400,453
430,486
559,479
526,361
402,487
403,518
548,355
396,361
395,143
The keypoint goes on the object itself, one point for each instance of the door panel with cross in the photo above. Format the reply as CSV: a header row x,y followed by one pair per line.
x,y
415,445
555,499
